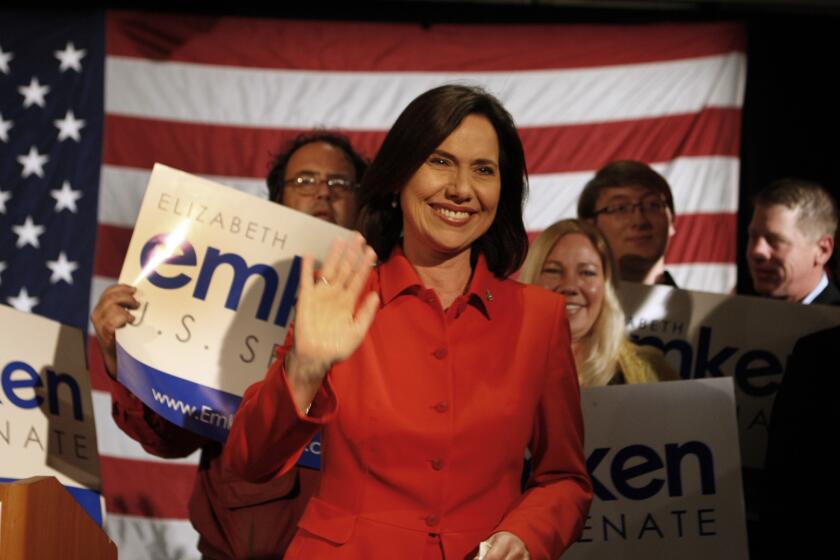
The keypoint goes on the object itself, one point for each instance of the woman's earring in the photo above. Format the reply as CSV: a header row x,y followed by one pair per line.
x,y
394,202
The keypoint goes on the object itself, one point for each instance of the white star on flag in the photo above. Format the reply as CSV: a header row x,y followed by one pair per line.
x,y
2,268
4,128
23,302
28,233
70,57
34,93
69,127
4,198
33,162
5,57
66,197
62,269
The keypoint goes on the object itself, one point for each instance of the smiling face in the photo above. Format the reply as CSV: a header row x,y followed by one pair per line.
x,y
638,239
784,262
322,161
574,268
451,199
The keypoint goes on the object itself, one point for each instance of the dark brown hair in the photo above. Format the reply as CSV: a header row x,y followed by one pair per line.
x,y
277,174
622,173
418,131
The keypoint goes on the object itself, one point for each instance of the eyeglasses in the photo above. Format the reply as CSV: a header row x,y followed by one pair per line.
x,y
307,185
653,205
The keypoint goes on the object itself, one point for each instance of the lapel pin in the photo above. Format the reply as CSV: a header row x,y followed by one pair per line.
x,y
488,295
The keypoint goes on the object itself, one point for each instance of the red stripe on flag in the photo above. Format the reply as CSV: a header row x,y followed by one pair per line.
x,y
111,247
711,132
388,47
700,238
207,149
704,238
147,488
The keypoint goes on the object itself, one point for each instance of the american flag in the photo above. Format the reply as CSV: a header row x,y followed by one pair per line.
x,y
51,87
216,96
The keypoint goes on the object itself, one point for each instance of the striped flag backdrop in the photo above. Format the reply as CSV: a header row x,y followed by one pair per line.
x,y
216,96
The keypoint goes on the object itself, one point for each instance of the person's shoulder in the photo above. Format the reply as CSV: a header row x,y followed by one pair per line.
x,y
830,295
532,294
646,353
827,341
646,362
537,302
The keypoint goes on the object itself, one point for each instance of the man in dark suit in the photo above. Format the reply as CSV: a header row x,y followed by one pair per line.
x,y
799,507
791,238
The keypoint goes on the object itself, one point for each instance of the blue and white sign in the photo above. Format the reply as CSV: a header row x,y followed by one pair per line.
x,y
667,484
747,338
216,271
47,426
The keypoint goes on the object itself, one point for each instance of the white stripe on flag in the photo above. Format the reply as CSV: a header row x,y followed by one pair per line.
x,y
268,98
553,196
121,191
705,277
142,538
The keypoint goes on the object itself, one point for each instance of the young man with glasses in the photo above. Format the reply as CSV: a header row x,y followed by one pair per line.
x,y
318,173
632,206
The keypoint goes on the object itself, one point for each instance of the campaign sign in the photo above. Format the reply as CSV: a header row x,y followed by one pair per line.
x,y
46,413
216,272
666,484
706,335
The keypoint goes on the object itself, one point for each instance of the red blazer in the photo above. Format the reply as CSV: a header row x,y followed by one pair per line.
x,y
423,457
234,518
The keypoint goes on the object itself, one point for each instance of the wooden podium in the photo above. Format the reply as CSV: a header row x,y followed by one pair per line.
x,y
39,520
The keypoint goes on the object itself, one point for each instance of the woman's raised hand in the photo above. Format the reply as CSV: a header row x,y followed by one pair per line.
x,y
329,322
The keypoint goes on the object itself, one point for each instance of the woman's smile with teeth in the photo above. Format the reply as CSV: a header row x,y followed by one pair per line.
x,y
452,214
573,307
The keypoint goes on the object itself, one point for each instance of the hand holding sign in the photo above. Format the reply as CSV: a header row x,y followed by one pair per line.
x,y
111,313
328,325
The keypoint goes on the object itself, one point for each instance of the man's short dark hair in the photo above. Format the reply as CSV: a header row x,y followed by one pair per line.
x,y
817,209
622,173
277,173
418,131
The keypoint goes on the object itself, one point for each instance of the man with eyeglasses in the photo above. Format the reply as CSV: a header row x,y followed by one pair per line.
x,y
632,205
318,173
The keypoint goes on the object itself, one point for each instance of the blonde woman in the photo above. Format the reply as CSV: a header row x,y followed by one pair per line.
x,y
572,258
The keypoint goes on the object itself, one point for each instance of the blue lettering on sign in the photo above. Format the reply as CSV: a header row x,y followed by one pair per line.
x,y
241,272
31,380
213,259
186,258
631,462
752,366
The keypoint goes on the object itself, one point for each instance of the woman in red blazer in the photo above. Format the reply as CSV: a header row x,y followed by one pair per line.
x,y
430,377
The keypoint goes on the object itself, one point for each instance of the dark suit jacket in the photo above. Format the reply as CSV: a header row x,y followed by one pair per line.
x,y
800,471
829,296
